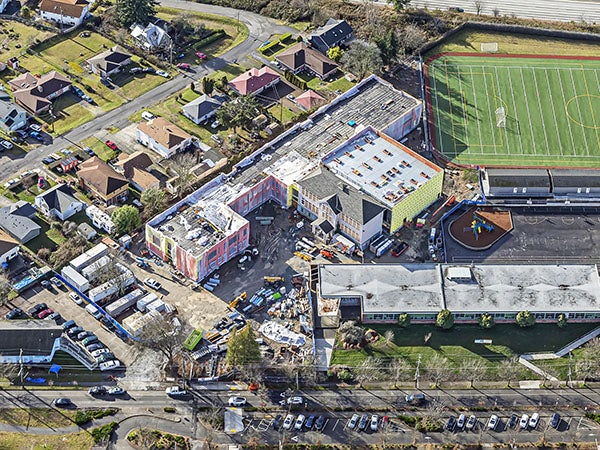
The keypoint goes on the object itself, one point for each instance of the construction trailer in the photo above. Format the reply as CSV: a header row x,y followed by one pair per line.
x,y
121,305
75,278
110,287
87,258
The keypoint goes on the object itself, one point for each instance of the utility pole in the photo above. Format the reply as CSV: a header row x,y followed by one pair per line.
x,y
21,366
569,373
417,372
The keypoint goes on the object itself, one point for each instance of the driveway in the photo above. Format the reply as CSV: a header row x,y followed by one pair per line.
x,y
259,27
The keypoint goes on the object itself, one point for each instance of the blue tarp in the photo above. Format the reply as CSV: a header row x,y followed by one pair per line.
x,y
36,380
55,368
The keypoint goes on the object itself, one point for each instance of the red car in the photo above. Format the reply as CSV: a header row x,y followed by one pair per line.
x,y
44,313
183,66
201,55
110,144
401,248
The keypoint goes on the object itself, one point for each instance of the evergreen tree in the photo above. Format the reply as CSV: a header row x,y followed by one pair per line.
x,y
242,349
135,11
389,46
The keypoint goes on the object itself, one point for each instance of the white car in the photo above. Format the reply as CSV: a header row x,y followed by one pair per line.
x,y
493,422
237,401
110,365
460,423
295,400
76,298
162,73
175,391
287,423
215,124
353,421
35,127
374,422
471,422
116,390
99,352
534,420
147,115
299,422
524,421
151,282
7,145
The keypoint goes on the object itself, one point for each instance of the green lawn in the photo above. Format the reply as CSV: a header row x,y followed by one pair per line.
x,y
458,343
339,83
100,148
16,37
552,110
48,237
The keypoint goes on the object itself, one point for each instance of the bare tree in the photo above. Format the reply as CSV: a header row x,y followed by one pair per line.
x,y
163,336
438,369
411,38
508,369
113,274
388,338
478,4
182,166
400,370
473,370
5,289
371,369
496,12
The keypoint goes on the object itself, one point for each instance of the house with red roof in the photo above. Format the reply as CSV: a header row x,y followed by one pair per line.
x,y
309,100
254,81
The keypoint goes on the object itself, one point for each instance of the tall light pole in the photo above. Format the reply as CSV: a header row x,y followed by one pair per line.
x,y
417,372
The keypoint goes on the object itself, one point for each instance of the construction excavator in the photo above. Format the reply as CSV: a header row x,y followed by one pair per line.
x,y
237,300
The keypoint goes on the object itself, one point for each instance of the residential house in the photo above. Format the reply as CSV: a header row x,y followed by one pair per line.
x,y
9,248
102,181
86,231
135,168
302,58
309,100
254,81
17,221
65,12
109,62
35,94
202,109
58,202
29,341
3,5
151,38
100,219
333,204
163,137
12,116
333,34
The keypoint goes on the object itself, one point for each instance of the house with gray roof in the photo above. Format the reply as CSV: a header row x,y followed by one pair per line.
x,y
35,340
202,109
333,204
58,202
333,34
17,220
12,116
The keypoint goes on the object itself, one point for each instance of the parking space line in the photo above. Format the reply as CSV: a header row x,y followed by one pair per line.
x,y
336,424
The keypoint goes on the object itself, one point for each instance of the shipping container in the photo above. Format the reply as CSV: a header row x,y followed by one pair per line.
x,y
125,302
85,259
143,302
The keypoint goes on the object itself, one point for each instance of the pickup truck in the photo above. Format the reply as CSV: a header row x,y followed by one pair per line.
x,y
175,391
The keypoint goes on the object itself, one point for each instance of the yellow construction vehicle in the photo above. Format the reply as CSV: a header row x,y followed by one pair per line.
x,y
236,300
303,256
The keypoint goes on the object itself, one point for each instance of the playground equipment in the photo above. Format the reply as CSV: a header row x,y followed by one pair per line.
x,y
479,223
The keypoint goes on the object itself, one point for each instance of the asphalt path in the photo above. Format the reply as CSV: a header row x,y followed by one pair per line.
x,y
260,28
555,10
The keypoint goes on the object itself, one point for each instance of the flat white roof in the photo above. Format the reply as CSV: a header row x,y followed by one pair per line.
x,y
380,166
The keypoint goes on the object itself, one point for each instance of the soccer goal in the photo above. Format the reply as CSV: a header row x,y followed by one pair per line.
x,y
501,117
489,47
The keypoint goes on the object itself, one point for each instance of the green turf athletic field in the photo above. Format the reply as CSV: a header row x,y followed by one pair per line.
x,y
551,108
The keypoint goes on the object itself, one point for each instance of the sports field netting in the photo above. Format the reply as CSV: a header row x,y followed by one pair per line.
x,y
551,108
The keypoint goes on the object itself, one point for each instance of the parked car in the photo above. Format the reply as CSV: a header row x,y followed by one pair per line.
x,y
215,124
110,144
89,151
471,422
175,391
493,422
460,422
47,160
147,115
35,126
162,73
77,91
451,424
84,334
6,144
524,422
105,357
374,422
362,424
56,282
299,422
277,422
415,399
37,308
399,249
512,422
184,66
534,420
151,282
97,390
109,365
90,340
54,316
456,9
95,346
353,421
105,82
136,70
116,390
46,284
320,423
76,298
62,402
14,314
201,55
555,420
237,401
295,400
88,99
74,331
149,70
45,312
36,135
21,134
287,423
310,422
216,138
